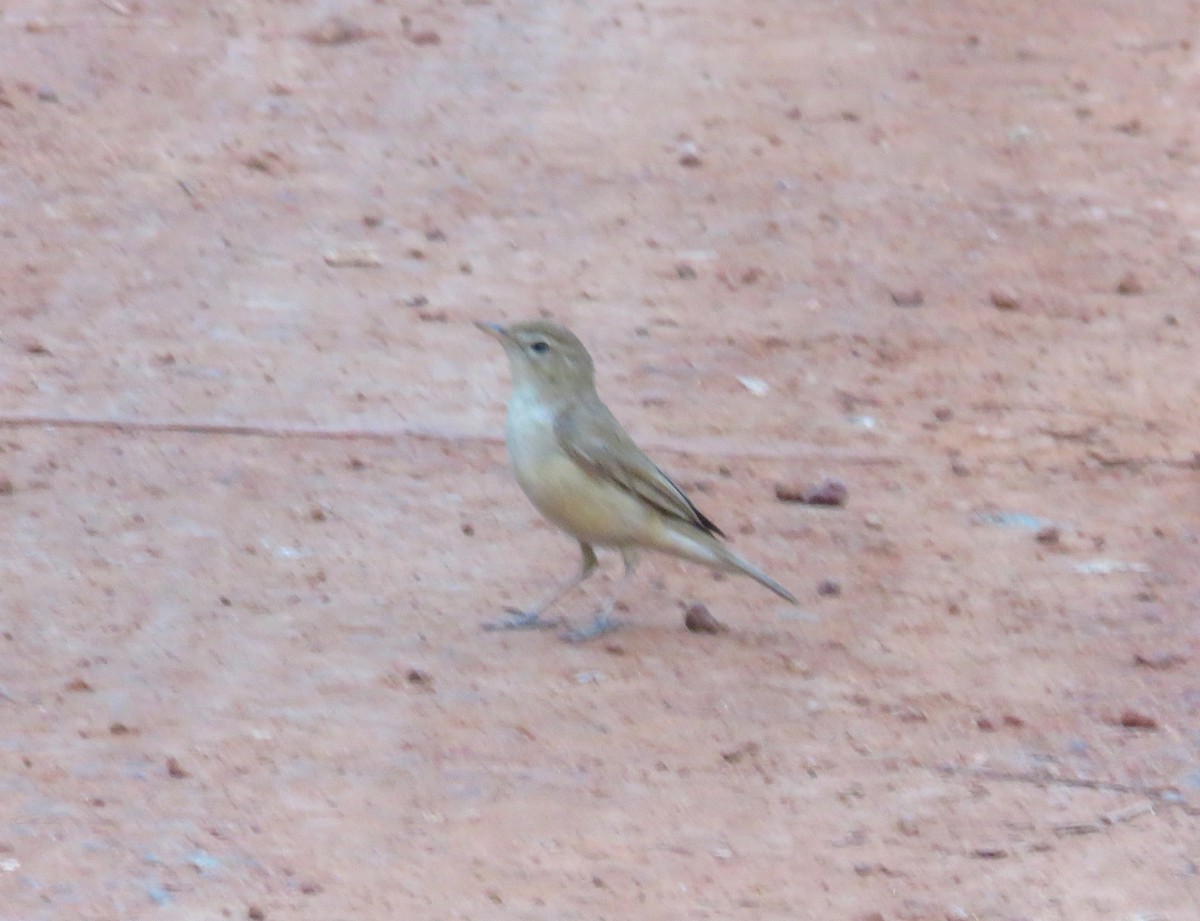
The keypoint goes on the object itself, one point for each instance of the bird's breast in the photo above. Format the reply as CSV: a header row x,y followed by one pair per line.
x,y
589,508
530,436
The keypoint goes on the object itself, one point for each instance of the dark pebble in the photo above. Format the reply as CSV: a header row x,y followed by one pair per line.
x,y
1048,535
912,297
1132,719
1004,300
1159,661
1129,285
698,619
419,678
827,492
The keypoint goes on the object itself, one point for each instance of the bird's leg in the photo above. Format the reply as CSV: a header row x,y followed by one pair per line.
x,y
531,619
605,622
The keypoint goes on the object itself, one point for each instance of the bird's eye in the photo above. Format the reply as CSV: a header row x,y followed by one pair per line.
x,y
540,347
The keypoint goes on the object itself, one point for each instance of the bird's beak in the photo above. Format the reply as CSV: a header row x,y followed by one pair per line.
x,y
495,330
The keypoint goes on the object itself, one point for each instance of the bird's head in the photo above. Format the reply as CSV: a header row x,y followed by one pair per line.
x,y
545,356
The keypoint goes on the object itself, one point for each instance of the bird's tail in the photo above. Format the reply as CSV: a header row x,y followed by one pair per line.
x,y
692,544
740,565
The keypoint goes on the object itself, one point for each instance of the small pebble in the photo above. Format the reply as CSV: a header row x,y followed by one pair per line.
x,y
175,769
353,257
1132,719
6,486
417,677
254,913
873,521
1129,285
828,492
1159,661
1012,720
424,37
735,755
689,155
698,619
685,271
1077,828
418,36
908,297
991,852
828,587
265,162
336,31
1048,535
908,826
755,385
1004,300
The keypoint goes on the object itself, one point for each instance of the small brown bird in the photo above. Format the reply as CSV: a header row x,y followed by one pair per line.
x,y
585,474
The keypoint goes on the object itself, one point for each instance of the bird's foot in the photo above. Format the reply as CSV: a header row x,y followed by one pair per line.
x,y
604,623
522,620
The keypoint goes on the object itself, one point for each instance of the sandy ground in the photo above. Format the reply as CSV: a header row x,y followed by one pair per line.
x,y
255,505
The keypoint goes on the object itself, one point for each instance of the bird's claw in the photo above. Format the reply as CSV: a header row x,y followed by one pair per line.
x,y
522,620
604,623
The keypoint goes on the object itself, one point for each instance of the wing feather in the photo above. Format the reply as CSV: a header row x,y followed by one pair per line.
x,y
593,438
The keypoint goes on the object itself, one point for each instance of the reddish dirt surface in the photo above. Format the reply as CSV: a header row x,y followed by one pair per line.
x,y
958,244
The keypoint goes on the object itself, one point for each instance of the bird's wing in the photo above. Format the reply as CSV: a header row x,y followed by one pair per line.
x,y
593,438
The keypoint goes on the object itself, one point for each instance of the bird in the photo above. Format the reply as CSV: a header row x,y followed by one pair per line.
x,y
585,474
